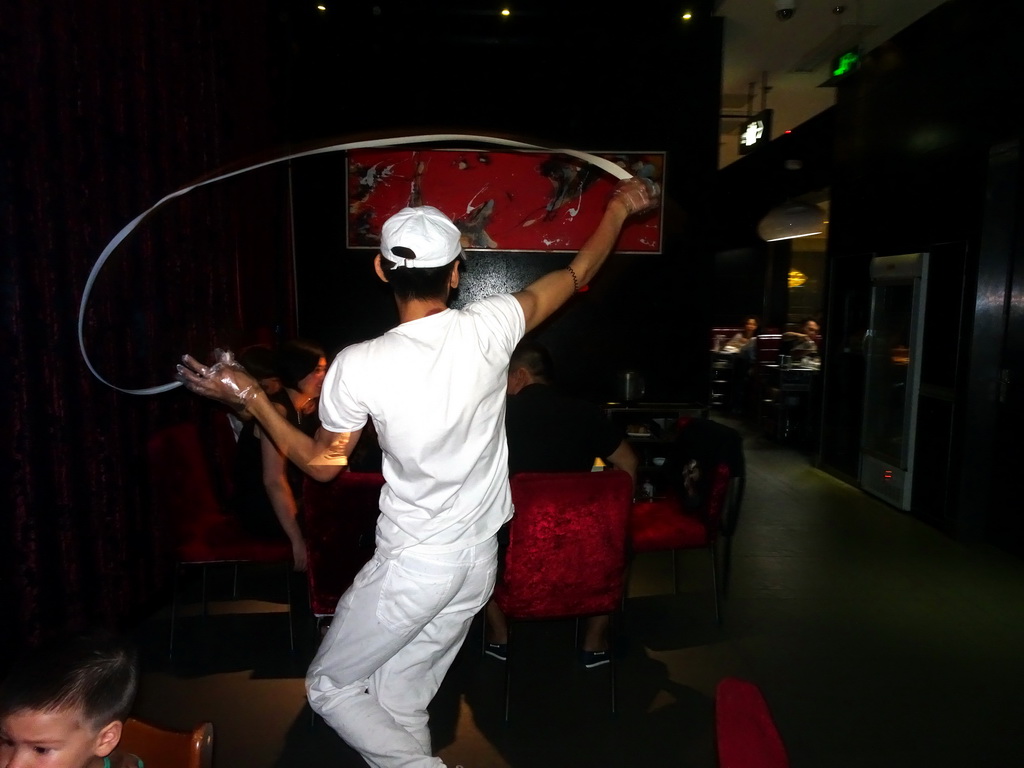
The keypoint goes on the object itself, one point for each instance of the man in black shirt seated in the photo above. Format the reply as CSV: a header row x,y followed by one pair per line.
x,y
549,432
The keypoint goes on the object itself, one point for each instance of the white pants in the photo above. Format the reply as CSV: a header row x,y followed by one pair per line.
x,y
395,633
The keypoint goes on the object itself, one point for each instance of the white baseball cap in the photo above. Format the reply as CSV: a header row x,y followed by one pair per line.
x,y
420,237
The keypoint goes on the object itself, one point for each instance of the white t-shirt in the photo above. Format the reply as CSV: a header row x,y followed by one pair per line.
x,y
435,389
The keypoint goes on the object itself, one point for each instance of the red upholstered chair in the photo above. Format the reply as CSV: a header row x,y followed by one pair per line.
x,y
340,520
566,555
222,445
744,730
707,471
183,492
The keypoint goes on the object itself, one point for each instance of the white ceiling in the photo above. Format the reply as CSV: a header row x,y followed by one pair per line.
x,y
795,55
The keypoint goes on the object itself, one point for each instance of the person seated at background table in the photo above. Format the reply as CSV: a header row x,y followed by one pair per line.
x,y
268,487
548,431
64,704
741,351
745,341
803,343
743,348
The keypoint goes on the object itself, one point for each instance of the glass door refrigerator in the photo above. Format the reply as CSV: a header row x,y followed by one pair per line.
x,y
892,349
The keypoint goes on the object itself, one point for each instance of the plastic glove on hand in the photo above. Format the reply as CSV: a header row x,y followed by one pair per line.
x,y
225,381
637,195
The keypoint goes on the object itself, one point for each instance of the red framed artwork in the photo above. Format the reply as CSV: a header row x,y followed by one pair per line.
x,y
507,201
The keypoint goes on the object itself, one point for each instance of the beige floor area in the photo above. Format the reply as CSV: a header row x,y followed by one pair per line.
x,y
876,640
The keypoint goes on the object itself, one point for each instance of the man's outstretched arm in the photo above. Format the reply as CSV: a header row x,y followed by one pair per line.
x,y
322,457
542,297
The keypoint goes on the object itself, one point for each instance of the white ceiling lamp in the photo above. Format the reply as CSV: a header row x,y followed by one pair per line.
x,y
790,220
793,218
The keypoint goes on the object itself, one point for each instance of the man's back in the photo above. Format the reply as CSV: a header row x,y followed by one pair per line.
x,y
434,388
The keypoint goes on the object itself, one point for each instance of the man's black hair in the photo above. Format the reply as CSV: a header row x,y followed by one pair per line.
x,y
97,674
535,358
423,283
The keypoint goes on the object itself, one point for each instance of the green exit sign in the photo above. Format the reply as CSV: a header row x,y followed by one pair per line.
x,y
845,63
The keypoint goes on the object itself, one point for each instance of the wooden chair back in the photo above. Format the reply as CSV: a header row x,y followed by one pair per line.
x,y
160,747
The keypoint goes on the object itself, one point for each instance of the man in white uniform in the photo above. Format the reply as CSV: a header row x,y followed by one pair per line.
x,y
435,388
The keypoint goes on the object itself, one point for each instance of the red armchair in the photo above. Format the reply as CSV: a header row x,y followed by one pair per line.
x,y
340,521
566,555
707,470
183,492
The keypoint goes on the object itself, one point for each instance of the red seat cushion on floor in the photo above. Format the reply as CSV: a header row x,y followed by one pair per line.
x,y
662,524
745,732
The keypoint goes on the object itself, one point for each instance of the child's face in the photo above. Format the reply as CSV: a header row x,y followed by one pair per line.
x,y
61,739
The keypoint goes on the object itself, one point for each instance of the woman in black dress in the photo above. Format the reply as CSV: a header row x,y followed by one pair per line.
x,y
268,487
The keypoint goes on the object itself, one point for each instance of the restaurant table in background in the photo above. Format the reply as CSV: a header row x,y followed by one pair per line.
x,y
650,429
790,405
720,377
735,381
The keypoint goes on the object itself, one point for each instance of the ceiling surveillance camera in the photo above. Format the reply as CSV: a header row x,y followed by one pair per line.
x,y
784,9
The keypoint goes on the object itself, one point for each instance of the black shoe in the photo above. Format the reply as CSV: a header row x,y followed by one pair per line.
x,y
594,659
498,651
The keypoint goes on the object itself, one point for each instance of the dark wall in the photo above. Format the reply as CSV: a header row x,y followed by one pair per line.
x,y
738,281
750,275
919,153
914,131
561,81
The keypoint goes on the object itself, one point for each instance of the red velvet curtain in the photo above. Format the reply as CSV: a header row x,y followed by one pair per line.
x,y
110,106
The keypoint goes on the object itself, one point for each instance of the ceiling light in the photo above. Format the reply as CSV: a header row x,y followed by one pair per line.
x,y
687,16
506,12
790,220
321,7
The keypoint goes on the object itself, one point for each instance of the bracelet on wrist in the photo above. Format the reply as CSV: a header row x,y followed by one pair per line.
x,y
575,280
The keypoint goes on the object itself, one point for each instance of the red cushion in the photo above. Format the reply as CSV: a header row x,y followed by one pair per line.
x,y
183,492
745,732
668,524
180,480
567,544
662,524
340,519
224,447
223,539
